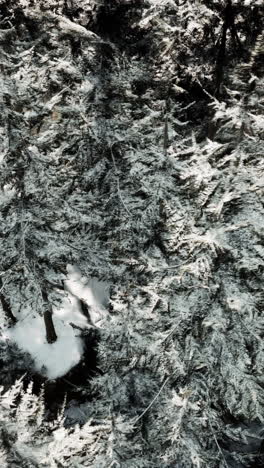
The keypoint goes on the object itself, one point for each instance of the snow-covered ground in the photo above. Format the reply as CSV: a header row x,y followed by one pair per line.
x,y
56,359
52,360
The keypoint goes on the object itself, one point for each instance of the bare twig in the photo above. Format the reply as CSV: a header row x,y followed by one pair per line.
x,y
153,401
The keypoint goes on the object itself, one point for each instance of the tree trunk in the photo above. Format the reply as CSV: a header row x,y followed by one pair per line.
x,y
50,330
85,311
6,308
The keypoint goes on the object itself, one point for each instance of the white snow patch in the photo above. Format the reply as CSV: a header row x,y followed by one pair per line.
x,y
69,311
6,194
57,358
93,292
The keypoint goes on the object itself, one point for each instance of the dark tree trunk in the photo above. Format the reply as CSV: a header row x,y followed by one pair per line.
x,y
7,310
50,330
85,310
6,307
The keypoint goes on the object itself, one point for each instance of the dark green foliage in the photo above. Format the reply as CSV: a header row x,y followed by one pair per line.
x,y
13,363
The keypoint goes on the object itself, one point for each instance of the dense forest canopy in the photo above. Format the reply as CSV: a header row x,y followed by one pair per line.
x,y
131,233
